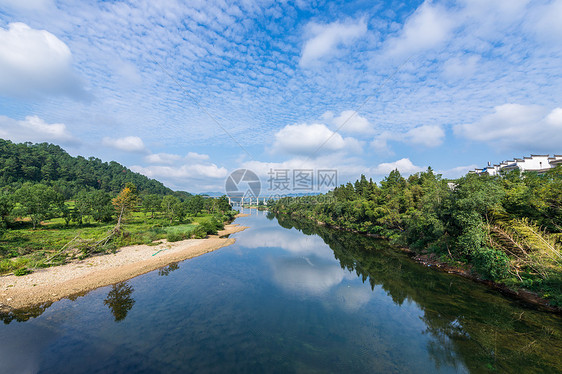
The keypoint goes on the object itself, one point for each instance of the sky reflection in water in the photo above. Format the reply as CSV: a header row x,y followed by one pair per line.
x,y
282,301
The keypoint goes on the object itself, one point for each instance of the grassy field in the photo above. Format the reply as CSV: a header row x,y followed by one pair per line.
x,y
53,242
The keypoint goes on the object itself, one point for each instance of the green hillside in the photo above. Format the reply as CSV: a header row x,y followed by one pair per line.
x,y
51,165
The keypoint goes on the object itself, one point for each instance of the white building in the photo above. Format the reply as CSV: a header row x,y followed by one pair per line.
x,y
538,163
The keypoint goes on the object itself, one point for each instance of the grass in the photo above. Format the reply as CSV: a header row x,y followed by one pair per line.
x,y
22,248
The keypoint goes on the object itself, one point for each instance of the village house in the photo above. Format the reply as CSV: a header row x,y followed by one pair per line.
x,y
537,163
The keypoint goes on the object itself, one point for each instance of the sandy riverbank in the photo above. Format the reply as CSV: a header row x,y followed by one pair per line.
x,y
55,283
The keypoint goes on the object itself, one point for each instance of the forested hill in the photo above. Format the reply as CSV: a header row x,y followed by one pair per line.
x,y
50,164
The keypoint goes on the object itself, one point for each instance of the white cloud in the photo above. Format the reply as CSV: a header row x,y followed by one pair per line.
x,y
554,118
312,140
162,158
327,39
429,27
196,156
34,129
349,121
192,172
27,4
457,172
546,21
426,135
514,126
127,144
460,67
35,62
170,159
404,166
183,172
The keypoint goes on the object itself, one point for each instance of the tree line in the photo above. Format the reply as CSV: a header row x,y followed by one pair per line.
x,y
51,165
506,228
42,181
41,202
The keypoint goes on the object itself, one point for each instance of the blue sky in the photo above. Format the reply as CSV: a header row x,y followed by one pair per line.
x,y
165,86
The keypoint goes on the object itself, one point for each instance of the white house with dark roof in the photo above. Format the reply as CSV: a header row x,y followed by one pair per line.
x,y
538,163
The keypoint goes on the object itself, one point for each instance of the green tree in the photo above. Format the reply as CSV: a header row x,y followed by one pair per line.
x,y
170,206
152,203
181,209
223,205
102,208
6,207
82,206
37,201
195,205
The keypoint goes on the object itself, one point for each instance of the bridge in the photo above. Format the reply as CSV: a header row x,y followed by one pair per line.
x,y
251,200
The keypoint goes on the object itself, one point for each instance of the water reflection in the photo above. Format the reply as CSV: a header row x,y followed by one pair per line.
x,y
469,326
292,241
119,300
22,315
308,275
297,298
352,297
165,271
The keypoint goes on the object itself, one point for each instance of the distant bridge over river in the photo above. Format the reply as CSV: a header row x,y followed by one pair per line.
x,y
251,200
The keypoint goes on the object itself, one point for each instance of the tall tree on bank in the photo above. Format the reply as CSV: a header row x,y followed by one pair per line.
x,y
125,203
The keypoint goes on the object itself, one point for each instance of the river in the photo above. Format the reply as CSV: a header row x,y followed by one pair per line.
x,y
287,297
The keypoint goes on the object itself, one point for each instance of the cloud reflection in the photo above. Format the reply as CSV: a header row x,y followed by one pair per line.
x,y
306,275
292,241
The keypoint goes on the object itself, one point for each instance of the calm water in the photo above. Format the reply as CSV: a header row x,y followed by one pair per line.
x,y
286,297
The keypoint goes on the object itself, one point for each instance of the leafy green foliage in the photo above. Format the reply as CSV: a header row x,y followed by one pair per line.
x,y
72,203
491,263
152,204
37,201
49,163
21,272
508,227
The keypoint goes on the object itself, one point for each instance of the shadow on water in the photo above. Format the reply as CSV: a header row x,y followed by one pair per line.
x,y
22,315
119,300
165,271
34,311
469,325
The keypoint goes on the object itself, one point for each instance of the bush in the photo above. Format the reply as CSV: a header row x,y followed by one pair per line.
x,y
175,236
491,263
22,271
199,232
209,226
157,230
218,221
5,266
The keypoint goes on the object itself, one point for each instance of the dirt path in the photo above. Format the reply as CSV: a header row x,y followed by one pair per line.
x,y
52,284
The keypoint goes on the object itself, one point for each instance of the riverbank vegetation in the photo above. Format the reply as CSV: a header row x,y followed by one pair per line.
x,y
55,207
495,338
506,228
